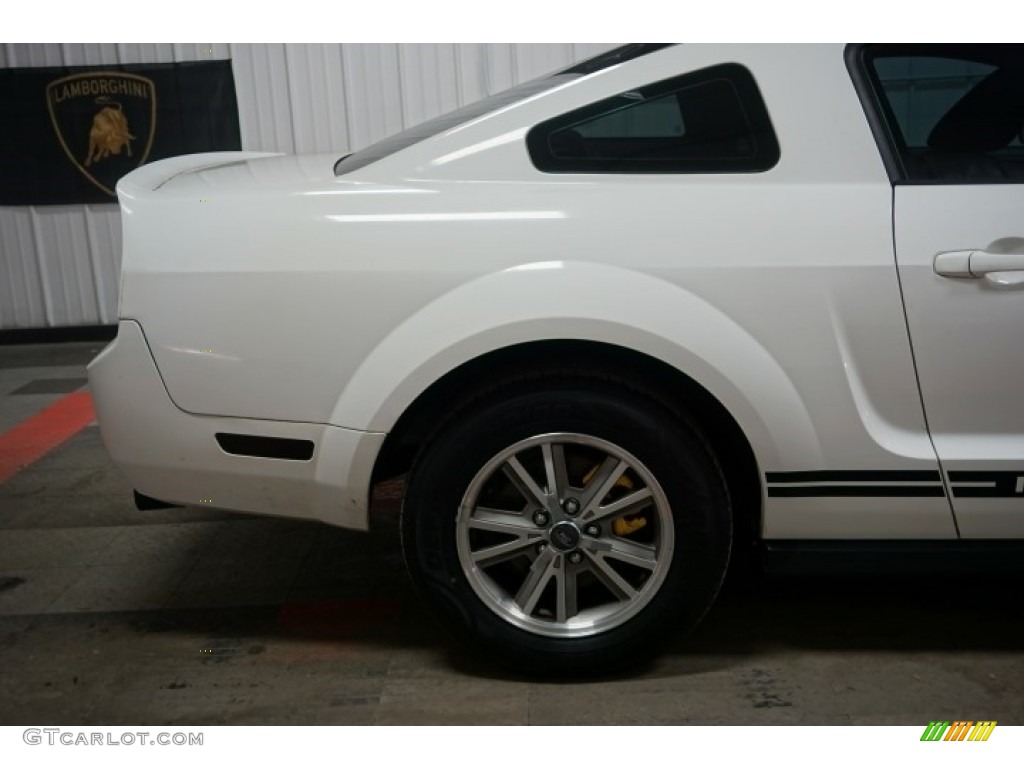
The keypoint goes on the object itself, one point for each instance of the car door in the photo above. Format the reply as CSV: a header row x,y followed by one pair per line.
x,y
951,120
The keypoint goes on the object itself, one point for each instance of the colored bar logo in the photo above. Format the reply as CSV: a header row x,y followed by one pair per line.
x,y
960,730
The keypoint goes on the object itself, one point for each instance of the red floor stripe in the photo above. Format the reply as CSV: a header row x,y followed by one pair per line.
x,y
38,435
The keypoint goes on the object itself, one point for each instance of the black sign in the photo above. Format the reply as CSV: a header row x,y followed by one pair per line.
x,y
67,134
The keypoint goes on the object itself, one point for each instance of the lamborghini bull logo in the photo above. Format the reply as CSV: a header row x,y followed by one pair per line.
x,y
109,134
104,122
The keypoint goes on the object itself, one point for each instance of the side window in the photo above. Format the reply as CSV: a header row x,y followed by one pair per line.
x,y
710,121
952,114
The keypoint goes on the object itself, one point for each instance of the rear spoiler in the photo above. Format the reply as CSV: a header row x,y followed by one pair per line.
x,y
154,175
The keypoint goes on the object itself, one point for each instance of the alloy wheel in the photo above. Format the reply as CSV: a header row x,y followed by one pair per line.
x,y
565,535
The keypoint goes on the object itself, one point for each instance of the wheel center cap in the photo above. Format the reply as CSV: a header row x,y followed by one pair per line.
x,y
564,536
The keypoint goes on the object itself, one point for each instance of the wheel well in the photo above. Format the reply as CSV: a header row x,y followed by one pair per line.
x,y
636,370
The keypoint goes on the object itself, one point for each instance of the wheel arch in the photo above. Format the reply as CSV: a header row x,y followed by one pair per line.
x,y
631,369
622,320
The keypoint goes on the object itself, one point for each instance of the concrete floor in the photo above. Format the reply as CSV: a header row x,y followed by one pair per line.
x,y
113,616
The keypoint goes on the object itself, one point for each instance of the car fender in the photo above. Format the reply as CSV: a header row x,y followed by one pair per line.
x,y
591,302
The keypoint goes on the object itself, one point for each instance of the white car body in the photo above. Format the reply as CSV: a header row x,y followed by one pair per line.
x,y
265,295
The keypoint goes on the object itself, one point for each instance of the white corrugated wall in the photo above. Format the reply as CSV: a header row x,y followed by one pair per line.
x,y
59,264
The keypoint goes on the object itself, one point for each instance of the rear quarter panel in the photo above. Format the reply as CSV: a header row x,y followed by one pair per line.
x,y
303,297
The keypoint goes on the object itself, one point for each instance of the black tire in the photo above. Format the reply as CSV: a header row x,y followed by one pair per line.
x,y
691,569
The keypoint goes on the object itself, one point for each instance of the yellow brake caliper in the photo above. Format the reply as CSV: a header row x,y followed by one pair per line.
x,y
625,525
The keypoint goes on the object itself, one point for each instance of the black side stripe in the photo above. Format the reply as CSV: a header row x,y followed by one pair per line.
x,y
856,482
987,484
855,475
856,490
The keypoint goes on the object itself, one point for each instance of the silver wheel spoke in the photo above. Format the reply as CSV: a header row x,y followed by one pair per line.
x,y
628,504
497,521
599,486
640,555
541,571
499,553
554,469
608,576
525,484
565,602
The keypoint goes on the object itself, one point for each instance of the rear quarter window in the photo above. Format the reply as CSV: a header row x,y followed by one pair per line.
x,y
709,121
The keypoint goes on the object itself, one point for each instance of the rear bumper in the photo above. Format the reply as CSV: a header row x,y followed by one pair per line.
x,y
173,456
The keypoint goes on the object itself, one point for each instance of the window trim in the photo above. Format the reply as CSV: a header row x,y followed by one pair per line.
x,y
857,65
766,156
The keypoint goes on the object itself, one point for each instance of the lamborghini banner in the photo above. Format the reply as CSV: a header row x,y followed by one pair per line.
x,y
67,134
